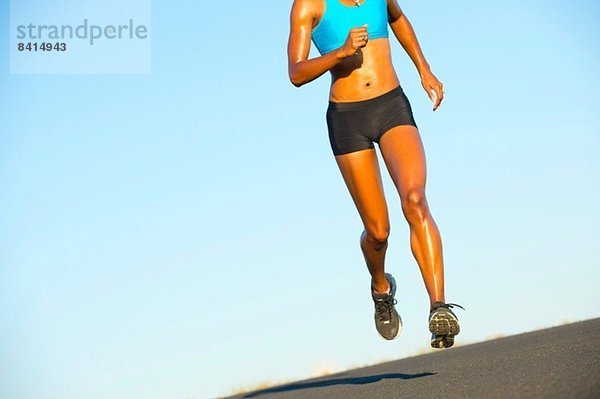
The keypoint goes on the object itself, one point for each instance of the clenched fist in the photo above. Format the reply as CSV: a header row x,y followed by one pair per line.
x,y
357,38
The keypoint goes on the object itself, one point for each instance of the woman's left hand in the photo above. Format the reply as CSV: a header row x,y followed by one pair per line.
x,y
434,88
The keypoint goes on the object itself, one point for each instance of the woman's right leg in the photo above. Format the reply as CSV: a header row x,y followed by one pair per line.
x,y
360,170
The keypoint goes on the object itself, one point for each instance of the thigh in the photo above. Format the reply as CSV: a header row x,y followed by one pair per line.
x,y
348,130
360,170
404,155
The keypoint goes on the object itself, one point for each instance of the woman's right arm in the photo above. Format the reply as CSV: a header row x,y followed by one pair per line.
x,y
302,70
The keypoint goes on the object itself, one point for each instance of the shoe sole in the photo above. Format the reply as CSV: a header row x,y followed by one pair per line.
x,y
443,327
442,341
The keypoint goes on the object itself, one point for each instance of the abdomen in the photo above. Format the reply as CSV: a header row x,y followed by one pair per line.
x,y
366,75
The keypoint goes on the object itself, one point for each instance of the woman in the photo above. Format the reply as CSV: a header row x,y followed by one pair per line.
x,y
366,105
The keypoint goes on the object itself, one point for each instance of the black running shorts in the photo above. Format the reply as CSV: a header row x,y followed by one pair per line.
x,y
354,126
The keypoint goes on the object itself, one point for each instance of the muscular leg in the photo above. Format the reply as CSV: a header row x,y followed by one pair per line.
x,y
360,170
404,155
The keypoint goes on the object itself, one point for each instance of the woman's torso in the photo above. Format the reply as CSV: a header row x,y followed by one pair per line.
x,y
370,73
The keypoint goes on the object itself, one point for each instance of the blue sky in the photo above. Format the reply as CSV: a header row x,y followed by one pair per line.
x,y
184,232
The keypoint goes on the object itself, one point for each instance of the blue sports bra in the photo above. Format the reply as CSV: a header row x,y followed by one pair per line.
x,y
337,20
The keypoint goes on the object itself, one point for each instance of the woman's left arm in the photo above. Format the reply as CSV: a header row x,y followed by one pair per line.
x,y
406,36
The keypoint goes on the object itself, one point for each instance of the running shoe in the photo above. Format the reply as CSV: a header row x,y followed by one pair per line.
x,y
387,319
443,324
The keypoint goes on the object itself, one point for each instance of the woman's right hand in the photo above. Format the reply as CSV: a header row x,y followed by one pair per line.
x,y
357,38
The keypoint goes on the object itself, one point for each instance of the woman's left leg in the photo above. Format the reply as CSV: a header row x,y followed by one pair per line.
x,y
404,156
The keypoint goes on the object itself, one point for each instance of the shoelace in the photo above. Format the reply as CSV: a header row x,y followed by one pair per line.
x,y
384,308
438,305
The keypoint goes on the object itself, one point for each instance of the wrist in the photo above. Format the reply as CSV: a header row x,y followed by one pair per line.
x,y
424,70
341,54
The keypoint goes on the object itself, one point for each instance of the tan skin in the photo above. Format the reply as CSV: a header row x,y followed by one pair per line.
x,y
362,69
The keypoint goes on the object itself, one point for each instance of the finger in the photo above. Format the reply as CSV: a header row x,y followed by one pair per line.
x,y
359,33
439,96
360,40
430,94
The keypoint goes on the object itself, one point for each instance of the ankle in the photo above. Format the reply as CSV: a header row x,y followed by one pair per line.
x,y
384,288
436,301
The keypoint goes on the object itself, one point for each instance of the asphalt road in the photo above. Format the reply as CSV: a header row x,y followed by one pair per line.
x,y
560,362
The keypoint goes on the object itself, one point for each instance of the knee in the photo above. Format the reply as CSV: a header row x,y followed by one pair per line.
x,y
414,205
377,235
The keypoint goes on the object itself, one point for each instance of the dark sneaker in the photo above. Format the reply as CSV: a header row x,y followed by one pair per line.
x,y
443,324
387,319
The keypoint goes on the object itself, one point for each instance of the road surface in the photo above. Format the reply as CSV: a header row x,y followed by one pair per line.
x,y
559,362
